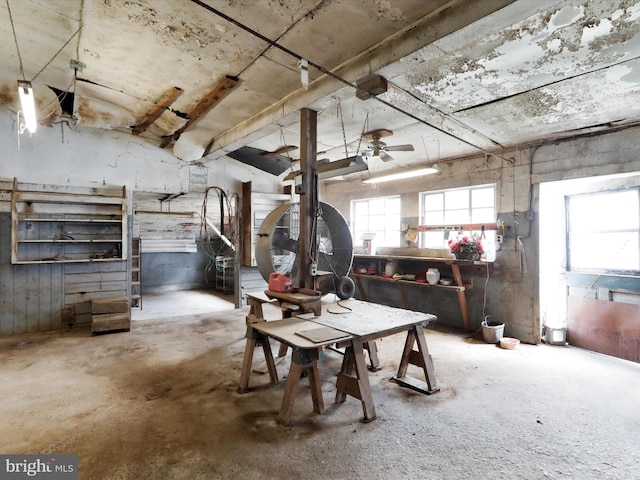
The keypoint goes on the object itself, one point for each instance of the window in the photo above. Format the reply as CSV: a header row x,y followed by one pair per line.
x,y
455,207
603,231
377,215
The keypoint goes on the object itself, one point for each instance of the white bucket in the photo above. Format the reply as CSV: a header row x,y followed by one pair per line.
x,y
492,332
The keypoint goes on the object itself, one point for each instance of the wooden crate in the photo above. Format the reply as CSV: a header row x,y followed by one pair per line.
x,y
110,315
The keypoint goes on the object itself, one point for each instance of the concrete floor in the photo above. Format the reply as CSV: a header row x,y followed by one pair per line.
x,y
160,402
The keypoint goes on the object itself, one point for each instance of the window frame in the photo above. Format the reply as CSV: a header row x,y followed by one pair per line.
x,y
470,208
388,231
569,233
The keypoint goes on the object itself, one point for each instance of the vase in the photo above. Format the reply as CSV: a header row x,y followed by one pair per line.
x,y
433,276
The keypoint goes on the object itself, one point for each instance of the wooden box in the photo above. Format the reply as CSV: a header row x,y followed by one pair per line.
x,y
110,315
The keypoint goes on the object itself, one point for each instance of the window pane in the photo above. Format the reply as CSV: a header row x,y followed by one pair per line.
x,y
361,208
434,218
433,240
604,231
609,211
456,217
381,216
456,207
377,205
456,199
433,202
605,251
393,205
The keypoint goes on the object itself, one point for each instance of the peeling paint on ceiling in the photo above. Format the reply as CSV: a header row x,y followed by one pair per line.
x,y
460,80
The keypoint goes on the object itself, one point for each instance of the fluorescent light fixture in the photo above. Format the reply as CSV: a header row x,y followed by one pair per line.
x,y
335,168
342,167
25,90
405,174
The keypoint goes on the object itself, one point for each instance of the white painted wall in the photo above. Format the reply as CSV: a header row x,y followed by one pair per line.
x,y
66,155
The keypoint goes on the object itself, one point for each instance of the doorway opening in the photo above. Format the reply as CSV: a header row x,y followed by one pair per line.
x,y
595,303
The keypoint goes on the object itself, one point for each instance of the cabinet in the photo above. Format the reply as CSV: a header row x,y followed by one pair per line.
x,y
224,274
371,268
136,285
63,227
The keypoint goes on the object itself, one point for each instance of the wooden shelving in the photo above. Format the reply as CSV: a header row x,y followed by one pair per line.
x,y
448,267
68,228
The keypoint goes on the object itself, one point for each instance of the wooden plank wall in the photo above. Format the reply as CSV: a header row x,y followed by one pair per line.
x,y
86,281
33,297
168,232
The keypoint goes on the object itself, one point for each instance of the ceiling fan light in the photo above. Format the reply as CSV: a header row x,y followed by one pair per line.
x,y
25,91
403,175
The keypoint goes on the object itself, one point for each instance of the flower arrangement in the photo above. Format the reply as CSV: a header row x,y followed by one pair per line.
x,y
466,248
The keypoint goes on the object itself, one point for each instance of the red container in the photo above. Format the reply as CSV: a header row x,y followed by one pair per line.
x,y
280,282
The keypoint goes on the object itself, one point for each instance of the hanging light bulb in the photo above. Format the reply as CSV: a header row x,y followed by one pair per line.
x,y
25,90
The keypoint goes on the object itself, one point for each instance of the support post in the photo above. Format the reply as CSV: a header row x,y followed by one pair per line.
x,y
309,204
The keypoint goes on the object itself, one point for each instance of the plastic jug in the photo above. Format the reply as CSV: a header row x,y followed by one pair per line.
x,y
280,282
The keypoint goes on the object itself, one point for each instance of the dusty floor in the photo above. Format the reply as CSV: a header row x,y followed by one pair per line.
x,y
160,402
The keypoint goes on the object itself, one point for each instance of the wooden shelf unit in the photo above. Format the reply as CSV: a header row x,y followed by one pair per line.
x,y
51,227
448,268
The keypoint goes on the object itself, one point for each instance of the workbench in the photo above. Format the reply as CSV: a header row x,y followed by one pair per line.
x,y
351,323
448,267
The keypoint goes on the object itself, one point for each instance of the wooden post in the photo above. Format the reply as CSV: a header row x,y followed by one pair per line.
x,y
307,245
247,225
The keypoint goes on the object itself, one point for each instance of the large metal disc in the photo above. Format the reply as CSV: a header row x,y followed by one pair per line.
x,y
277,244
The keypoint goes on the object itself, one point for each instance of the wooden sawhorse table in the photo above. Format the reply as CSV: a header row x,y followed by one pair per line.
x,y
367,322
304,357
364,323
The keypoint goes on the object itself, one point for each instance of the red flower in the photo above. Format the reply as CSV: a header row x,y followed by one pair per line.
x,y
465,245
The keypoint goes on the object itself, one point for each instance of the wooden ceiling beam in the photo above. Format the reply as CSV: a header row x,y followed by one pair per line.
x,y
224,86
154,113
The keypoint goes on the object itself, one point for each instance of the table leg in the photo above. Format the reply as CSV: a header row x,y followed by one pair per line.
x,y
420,358
358,386
246,361
268,356
301,360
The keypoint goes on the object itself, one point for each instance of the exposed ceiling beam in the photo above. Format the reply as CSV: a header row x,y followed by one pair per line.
x,y
224,86
161,105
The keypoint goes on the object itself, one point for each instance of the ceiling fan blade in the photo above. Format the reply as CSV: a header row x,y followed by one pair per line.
x,y
280,151
385,157
399,148
379,133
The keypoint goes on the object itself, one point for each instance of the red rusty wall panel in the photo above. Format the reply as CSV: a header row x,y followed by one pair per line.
x,y
606,327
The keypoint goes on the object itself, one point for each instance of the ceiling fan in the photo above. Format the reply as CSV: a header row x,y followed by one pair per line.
x,y
379,148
